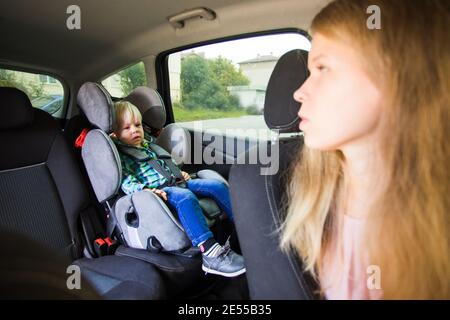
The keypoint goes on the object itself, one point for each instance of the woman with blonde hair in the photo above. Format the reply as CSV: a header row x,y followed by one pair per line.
x,y
369,205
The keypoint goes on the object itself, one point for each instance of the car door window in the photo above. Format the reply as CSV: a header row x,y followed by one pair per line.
x,y
222,86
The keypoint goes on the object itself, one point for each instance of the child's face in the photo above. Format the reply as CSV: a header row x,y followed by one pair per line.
x,y
340,104
130,130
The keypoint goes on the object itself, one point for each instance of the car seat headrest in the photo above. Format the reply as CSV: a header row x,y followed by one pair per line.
x,y
15,109
151,106
97,105
280,108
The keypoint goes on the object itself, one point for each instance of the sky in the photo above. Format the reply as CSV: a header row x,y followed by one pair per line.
x,y
245,49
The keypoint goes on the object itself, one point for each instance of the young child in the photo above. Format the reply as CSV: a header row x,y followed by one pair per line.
x,y
141,175
369,197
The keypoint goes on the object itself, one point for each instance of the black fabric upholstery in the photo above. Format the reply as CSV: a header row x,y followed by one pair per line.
x,y
71,188
15,111
117,277
41,183
29,270
28,145
271,273
74,127
280,108
179,272
30,205
56,181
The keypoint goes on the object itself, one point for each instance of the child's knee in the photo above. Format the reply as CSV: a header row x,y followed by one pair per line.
x,y
219,185
186,195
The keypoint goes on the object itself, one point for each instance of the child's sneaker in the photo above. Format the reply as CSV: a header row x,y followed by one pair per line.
x,y
226,263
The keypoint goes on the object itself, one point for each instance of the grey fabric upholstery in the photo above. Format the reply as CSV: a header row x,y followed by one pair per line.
x,y
151,106
280,108
102,164
152,218
96,104
176,140
173,138
210,174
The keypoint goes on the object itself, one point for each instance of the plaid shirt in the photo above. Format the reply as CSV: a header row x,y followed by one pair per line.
x,y
137,175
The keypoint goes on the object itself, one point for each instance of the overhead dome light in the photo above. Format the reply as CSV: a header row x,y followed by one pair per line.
x,y
178,20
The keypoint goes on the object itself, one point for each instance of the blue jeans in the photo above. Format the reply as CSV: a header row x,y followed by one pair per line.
x,y
185,202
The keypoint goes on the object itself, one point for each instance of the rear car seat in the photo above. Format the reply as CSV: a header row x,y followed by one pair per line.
x,y
42,194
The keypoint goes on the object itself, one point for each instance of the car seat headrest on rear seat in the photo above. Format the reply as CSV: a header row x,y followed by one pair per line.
x,y
97,105
151,106
280,108
15,109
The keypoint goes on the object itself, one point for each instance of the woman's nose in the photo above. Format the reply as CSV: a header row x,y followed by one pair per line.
x,y
299,95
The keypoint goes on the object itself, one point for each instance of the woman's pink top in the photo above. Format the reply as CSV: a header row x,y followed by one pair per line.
x,y
347,278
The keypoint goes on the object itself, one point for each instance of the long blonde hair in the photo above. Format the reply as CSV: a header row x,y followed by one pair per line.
x,y
409,239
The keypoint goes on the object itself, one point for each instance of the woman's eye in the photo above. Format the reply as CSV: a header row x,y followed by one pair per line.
x,y
321,67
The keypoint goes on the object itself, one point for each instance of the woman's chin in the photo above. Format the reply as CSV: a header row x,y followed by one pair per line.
x,y
314,143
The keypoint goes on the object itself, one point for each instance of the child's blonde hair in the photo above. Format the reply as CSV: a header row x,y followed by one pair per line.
x,y
123,108
409,235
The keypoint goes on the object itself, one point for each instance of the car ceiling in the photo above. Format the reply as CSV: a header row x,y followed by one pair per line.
x,y
115,33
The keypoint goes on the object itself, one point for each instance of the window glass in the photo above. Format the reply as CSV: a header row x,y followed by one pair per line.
x,y
223,85
44,92
123,82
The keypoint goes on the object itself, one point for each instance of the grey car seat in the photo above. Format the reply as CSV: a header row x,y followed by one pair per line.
x,y
143,220
271,273
42,195
175,140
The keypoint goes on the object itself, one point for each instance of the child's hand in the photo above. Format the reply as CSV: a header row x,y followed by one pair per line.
x,y
160,193
185,175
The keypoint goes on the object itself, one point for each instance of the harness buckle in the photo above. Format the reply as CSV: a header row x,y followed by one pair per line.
x,y
100,247
111,245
